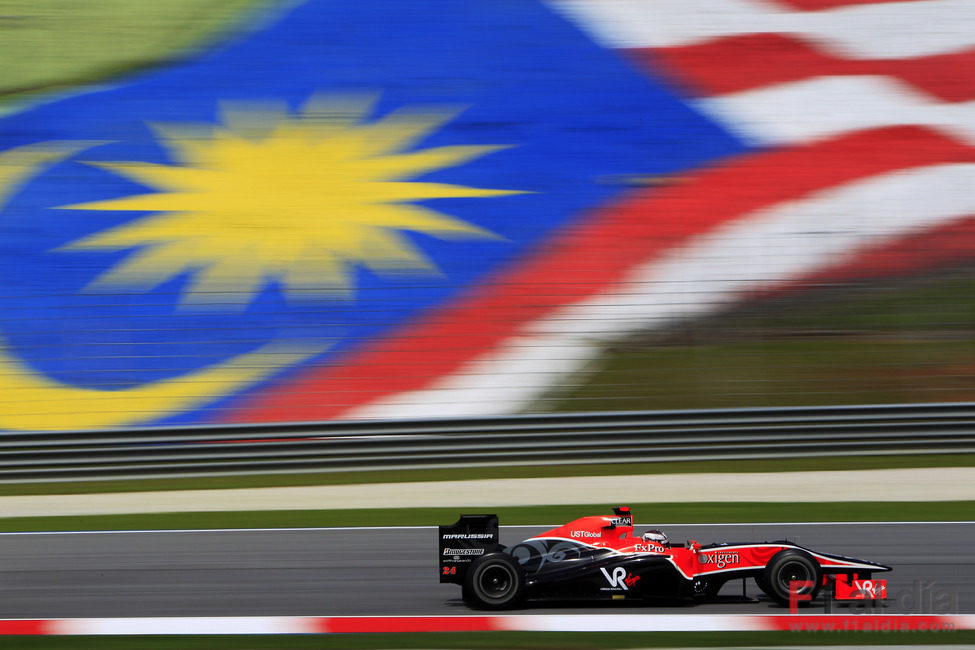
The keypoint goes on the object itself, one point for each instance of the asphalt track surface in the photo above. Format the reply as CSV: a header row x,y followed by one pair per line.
x,y
393,571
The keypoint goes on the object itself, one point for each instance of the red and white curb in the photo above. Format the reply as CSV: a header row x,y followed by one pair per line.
x,y
522,623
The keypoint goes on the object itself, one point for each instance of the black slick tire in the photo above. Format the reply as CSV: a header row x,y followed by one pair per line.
x,y
494,581
787,566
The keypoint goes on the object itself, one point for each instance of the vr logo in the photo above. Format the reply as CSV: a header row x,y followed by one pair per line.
x,y
618,579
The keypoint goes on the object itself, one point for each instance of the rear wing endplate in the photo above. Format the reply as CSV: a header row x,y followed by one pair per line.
x,y
465,541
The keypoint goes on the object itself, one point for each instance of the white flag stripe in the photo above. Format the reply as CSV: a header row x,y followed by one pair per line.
x,y
785,241
801,111
503,381
873,31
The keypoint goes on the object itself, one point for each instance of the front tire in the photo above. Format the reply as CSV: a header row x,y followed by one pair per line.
x,y
788,566
494,581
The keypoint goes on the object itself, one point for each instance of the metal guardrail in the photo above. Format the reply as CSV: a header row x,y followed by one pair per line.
x,y
645,436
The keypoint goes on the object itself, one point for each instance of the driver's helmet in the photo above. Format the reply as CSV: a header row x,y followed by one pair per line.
x,y
656,536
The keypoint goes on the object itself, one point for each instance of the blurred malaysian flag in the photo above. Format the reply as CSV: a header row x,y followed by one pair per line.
x,y
861,115
364,209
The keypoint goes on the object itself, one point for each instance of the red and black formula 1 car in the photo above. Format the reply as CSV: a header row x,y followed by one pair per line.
x,y
598,558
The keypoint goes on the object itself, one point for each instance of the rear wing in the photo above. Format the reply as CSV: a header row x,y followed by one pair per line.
x,y
463,542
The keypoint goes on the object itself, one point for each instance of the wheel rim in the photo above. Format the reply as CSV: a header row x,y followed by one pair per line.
x,y
496,581
795,571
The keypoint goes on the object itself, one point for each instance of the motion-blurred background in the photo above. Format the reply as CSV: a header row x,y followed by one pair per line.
x,y
253,211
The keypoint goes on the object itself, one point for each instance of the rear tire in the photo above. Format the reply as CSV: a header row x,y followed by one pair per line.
x,y
787,566
494,581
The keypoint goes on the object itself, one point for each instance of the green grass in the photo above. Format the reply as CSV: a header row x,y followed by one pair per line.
x,y
512,640
470,473
53,45
645,513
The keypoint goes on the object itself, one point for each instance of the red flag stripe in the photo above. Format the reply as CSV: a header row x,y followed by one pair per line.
x,y
938,247
818,5
577,265
750,61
